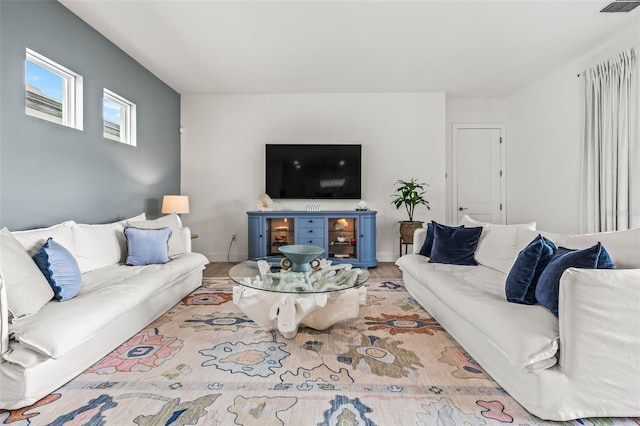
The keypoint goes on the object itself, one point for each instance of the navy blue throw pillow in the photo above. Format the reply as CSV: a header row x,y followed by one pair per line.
x,y
548,288
454,245
428,242
525,272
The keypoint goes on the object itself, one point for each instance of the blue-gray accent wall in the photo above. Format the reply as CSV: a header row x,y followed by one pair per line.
x,y
49,172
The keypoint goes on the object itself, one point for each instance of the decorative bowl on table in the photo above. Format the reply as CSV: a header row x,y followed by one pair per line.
x,y
300,257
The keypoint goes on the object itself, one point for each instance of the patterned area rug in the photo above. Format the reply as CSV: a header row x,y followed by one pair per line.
x,y
205,363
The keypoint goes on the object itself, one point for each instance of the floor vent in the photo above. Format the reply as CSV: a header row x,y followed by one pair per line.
x,y
621,6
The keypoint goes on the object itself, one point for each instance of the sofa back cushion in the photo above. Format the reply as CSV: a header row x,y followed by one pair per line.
x,y
498,246
33,239
26,288
97,246
622,246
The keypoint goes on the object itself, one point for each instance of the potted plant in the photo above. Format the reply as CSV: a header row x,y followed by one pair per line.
x,y
409,194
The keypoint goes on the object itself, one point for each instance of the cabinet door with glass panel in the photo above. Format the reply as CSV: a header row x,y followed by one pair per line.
x,y
280,231
342,241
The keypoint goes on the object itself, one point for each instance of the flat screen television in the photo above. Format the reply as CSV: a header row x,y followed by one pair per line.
x,y
313,171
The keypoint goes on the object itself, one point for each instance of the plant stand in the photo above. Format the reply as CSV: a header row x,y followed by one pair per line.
x,y
405,244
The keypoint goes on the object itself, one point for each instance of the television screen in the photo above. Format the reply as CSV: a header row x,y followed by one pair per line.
x,y
313,171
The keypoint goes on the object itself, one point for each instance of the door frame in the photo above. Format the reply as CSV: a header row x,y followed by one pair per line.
x,y
453,149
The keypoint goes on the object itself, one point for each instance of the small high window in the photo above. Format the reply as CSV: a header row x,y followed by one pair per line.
x,y
53,92
119,118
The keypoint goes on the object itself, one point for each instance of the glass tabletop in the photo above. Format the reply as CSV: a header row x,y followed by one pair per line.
x,y
262,276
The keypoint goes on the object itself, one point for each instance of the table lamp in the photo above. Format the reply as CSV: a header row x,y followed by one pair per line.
x,y
175,204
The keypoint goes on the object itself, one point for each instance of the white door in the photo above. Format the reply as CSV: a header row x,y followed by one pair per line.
x,y
478,172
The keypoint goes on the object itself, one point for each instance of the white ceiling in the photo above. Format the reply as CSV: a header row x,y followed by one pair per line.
x,y
465,48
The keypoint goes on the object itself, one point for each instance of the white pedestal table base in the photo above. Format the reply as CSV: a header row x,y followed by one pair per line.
x,y
286,311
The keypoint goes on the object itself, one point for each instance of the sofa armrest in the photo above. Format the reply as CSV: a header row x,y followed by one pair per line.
x,y
419,235
185,232
599,316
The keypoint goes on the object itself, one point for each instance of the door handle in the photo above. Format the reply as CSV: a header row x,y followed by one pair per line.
x,y
462,208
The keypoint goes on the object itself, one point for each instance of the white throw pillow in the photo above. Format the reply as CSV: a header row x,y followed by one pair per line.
x,y
498,247
97,246
33,239
27,289
171,221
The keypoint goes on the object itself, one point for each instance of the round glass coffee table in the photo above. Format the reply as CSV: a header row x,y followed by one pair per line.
x,y
282,300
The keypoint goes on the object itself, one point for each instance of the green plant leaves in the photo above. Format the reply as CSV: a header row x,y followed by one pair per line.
x,y
410,194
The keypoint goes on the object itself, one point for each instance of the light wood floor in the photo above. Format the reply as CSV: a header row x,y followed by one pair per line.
x,y
383,270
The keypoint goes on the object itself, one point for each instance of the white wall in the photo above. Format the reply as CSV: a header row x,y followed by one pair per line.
x,y
544,141
402,134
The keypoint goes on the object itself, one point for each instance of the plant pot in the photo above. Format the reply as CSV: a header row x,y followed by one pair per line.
x,y
407,228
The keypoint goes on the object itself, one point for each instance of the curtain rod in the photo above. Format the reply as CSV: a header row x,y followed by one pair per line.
x,y
636,48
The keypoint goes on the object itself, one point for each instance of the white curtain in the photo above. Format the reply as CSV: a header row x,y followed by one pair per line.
x,y
611,148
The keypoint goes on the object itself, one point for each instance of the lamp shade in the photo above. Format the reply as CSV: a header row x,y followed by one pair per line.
x,y
175,204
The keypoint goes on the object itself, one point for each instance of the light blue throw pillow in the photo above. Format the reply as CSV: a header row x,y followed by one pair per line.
x,y
147,246
523,277
60,269
548,288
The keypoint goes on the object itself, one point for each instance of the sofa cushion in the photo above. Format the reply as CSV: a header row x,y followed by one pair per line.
x,y
33,239
547,290
97,246
106,293
476,295
425,250
147,246
27,289
454,245
171,221
60,269
521,281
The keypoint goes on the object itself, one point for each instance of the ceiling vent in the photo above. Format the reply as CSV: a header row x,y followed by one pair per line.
x,y
621,6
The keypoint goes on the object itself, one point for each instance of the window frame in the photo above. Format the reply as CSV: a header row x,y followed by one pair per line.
x,y
72,90
128,118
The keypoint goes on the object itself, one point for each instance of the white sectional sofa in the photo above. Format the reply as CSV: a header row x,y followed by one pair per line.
x,y
45,349
583,363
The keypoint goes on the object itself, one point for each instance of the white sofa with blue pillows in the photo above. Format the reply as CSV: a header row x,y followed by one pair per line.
x,y
68,296
583,360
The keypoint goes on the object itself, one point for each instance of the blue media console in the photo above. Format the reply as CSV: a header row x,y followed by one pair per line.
x,y
345,235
